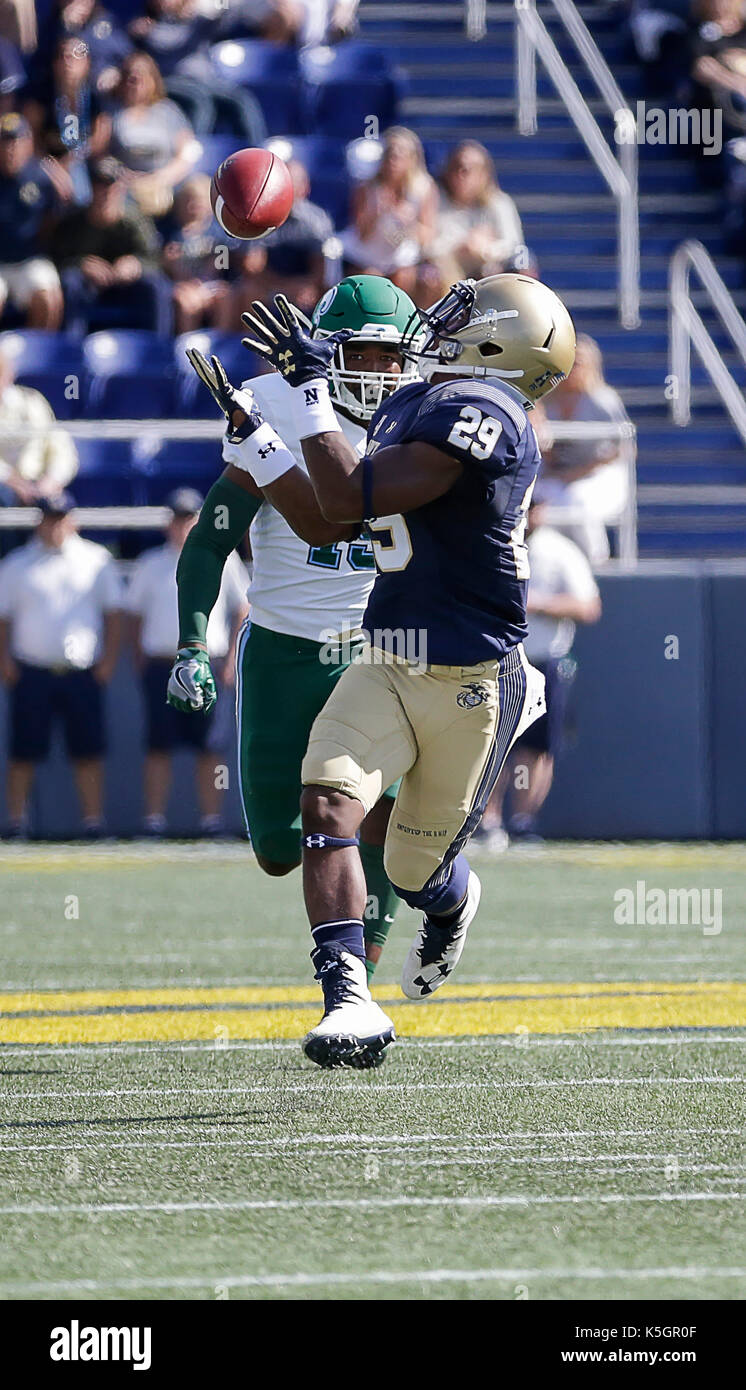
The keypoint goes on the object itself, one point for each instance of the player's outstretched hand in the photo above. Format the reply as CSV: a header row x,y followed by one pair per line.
x,y
284,339
229,398
191,684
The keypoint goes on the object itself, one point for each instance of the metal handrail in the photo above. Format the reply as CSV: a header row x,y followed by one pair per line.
x,y
686,327
211,430
619,172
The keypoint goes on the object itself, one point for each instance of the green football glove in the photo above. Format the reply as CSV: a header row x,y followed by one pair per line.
x,y
191,684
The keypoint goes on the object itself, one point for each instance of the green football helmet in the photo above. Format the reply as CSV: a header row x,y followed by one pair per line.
x,y
377,312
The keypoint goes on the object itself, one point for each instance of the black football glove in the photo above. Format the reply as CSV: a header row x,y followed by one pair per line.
x,y
285,341
229,398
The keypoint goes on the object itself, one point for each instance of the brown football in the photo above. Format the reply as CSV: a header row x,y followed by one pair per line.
x,y
251,193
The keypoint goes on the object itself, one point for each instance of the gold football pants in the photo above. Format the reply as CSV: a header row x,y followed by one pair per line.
x,y
445,730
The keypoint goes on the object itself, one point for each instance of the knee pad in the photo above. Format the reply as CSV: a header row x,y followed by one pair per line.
x,y
443,892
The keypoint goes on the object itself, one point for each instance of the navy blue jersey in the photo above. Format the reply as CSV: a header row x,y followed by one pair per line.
x,y
457,567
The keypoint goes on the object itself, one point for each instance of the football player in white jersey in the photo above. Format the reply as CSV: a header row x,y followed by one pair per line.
x,y
310,582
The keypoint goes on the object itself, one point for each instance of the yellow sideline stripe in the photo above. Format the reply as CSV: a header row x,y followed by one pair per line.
x,y
57,1001
457,1011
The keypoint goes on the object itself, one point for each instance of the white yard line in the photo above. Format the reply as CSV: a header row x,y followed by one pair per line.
x,y
376,1276
347,1088
357,1203
369,1142
669,1038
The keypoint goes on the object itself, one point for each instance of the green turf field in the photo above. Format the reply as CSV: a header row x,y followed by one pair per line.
x,y
564,1121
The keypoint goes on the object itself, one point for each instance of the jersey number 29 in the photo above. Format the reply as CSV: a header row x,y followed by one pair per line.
x,y
475,432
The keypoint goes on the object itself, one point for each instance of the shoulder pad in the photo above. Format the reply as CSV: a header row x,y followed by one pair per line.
x,y
484,394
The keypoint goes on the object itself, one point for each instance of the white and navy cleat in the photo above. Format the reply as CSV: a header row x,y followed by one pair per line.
x,y
436,951
354,1031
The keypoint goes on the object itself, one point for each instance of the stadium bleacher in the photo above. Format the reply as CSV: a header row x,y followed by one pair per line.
x,y
446,86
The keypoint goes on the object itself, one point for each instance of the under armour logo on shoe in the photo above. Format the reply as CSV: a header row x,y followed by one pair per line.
x,y
287,364
267,450
312,396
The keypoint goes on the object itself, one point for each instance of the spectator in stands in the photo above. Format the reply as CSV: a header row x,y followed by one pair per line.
x,y
176,34
68,122
60,608
660,30
718,74
152,602
588,475
150,136
172,32
30,467
108,260
393,214
295,251
96,27
12,75
478,231
279,20
28,198
249,264
191,259
18,24
562,592
327,21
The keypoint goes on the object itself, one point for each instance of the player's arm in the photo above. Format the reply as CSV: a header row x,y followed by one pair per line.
x,y
227,513
258,459
406,476
294,497
397,479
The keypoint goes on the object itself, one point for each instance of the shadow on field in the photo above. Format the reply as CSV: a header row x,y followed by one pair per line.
x,y
241,1117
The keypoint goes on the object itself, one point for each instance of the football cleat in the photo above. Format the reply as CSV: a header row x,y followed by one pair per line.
x,y
436,951
354,1031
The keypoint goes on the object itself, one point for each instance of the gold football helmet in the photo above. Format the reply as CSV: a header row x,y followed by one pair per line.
x,y
508,326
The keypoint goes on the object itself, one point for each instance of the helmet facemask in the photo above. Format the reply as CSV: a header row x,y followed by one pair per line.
x,y
359,393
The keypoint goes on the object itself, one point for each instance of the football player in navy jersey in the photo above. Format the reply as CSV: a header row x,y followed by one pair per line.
x,y
444,688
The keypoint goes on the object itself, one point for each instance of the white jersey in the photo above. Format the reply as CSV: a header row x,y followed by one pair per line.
x,y
300,589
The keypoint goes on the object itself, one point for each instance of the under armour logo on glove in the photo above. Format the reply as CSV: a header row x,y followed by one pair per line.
x,y
285,338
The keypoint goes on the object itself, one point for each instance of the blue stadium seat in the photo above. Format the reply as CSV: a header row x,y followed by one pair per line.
x,y
272,72
125,10
131,374
343,107
193,400
215,148
324,158
50,362
105,476
349,59
178,463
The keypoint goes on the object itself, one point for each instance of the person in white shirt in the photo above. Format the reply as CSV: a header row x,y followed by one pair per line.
x,y
31,466
152,603
562,592
60,602
478,229
591,476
